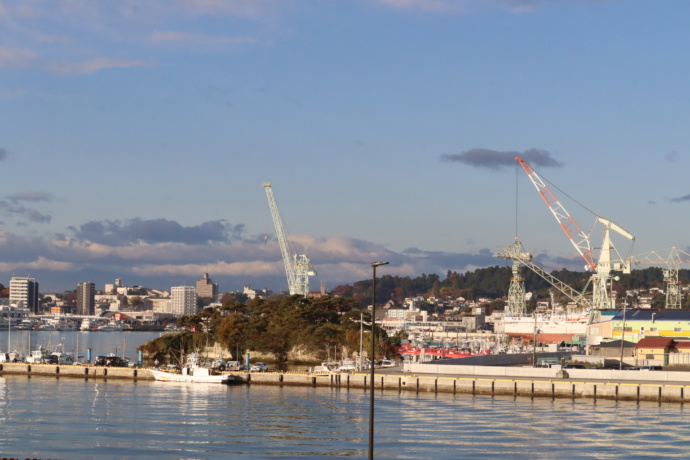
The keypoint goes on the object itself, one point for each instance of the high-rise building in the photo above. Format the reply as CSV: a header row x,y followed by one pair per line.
x,y
86,303
24,291
207,288
183,300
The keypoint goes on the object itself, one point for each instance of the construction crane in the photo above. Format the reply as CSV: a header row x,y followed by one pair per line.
x,y
672,258
298,267
516,292
601,279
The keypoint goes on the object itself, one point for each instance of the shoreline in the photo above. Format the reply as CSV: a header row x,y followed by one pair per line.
x,y
560,386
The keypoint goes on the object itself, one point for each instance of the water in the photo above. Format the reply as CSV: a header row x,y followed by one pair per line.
x,y
61,418
47,417
100,343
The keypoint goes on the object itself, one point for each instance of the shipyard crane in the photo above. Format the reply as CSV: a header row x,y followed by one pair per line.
x,y
602,277
516,292
672,258
298,267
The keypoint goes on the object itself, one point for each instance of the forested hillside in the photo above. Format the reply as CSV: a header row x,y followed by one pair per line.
x,y
492,282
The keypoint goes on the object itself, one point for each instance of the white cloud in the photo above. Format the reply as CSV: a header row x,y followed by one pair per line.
x,y
96,64
425,5
232,7
16,57
39,264
161,36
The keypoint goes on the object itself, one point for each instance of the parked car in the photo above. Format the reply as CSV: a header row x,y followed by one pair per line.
x,y
347,366
219,364
233,366
259,367
574,366
651,368
110,361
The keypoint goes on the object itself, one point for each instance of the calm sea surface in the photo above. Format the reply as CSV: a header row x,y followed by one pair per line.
x,y
63,418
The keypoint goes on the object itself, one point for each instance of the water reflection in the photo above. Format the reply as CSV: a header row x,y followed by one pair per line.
x,y
74,418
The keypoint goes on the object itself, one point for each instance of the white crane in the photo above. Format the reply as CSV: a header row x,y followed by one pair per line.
x,y
602,277
673,258
298,267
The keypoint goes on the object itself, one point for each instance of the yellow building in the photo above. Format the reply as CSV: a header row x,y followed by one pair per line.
x,y
654,349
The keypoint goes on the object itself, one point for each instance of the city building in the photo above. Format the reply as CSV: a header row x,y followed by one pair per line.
x,y
183,300
116,288
24,293
206,288
86,295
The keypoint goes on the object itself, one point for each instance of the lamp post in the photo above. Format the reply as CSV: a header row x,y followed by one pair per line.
x,y
620,365
373,344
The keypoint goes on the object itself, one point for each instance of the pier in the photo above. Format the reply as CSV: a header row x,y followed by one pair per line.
x,y
659,386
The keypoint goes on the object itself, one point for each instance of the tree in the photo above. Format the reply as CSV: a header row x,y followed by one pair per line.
x,y
231,332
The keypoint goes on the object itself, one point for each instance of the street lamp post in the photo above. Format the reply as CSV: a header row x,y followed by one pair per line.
x,y
620,365
373,344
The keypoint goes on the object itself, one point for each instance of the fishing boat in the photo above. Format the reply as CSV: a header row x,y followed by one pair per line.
x,y
193,372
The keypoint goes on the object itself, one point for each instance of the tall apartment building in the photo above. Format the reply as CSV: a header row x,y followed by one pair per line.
x,y
24,291
205,287
86,302
183,300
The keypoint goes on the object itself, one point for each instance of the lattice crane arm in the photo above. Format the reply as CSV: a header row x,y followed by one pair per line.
x,y
281,233
577,237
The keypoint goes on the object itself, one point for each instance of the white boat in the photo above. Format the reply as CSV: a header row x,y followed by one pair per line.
x,y
27,325
192,375
111,326
192,372
87,324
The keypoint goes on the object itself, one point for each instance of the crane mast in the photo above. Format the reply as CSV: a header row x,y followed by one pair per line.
x,y
298,267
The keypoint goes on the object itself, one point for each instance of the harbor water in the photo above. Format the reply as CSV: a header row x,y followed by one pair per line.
x,y
123,344
75,418
61,418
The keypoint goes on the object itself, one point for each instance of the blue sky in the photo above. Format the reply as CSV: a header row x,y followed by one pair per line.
x,y
135,136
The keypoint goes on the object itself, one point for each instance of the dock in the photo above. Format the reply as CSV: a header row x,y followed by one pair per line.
x,y
657,386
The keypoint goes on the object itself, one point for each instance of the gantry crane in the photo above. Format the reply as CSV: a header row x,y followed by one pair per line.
x,y
602,277
298,267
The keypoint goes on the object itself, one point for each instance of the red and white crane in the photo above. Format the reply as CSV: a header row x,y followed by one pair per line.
x,y
601,279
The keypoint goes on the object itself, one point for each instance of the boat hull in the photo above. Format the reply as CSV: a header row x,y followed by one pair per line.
x,y
170,377
548,330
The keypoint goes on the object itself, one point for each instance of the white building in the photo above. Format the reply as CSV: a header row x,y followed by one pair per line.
x,y
24,293
183,300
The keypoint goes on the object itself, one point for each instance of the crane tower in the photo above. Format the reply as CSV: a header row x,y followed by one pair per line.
x,y
672,257
298,267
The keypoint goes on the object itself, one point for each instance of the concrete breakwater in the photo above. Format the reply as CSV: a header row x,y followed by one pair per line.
x,y
562,386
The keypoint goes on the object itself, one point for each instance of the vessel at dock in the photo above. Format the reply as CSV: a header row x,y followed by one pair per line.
x,y
550,325
192,372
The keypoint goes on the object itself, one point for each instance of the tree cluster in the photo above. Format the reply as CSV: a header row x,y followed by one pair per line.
x,y
275,326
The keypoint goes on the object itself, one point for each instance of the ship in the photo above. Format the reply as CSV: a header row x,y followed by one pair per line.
x,y
549,326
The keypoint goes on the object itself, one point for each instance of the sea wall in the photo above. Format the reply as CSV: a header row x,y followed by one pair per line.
x,y
547,386
58,370
656,386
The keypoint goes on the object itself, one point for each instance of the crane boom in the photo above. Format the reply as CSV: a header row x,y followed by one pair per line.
x,y
615,227
577,237
298,267
516,252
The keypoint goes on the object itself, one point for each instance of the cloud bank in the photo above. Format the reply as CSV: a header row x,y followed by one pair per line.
x,y
159,253
495,160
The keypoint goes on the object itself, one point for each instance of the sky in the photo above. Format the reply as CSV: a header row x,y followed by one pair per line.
x,y
135,136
